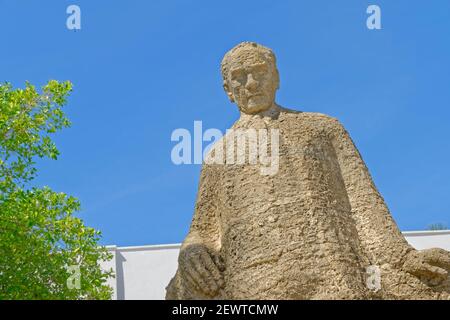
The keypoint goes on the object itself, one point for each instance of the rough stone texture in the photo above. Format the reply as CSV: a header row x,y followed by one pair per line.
x,y
307,232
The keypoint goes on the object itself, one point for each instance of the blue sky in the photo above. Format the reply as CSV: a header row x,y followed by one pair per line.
x,y
141,69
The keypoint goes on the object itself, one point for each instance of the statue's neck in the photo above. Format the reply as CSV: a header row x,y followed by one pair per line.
x,y
272,112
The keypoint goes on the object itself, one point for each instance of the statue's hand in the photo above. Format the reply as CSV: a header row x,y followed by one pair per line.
x,y
428,265
201,268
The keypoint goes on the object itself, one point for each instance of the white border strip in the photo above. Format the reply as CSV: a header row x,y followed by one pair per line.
x,y
425,233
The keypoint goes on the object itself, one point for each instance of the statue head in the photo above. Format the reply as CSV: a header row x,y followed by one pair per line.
x,y
250,77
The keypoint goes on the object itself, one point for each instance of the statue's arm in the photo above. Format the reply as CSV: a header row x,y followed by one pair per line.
x,y
379,235
199,264
204,227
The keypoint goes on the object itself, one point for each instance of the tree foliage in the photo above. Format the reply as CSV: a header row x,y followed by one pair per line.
x,y
40,238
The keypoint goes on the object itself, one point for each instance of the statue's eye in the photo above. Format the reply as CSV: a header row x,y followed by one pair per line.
x,y
259,73
240,78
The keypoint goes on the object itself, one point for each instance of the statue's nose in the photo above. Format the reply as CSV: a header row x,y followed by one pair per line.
x,y
251,83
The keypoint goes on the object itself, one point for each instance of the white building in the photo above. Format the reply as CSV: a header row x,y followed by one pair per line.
x,y
143,272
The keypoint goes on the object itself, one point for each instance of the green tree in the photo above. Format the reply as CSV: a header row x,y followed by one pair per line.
x,y
42,244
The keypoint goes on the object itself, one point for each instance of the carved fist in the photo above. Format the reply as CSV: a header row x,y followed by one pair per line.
x,y
430,265
201,268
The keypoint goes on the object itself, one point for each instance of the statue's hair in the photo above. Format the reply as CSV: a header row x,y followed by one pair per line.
x,y
264,51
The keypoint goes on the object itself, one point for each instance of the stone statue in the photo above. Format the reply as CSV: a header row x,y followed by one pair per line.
x,y
316,229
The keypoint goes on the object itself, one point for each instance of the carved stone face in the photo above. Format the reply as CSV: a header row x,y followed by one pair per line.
x,y
252,80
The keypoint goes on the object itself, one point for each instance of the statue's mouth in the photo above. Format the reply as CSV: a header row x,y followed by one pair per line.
x,y
254,95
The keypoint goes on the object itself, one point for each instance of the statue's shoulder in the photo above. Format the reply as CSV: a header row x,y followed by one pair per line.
x,y
315,118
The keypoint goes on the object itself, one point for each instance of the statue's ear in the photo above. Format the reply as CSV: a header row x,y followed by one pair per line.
x,y
228,91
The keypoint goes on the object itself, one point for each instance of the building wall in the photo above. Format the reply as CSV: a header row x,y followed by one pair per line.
x,y
143,272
